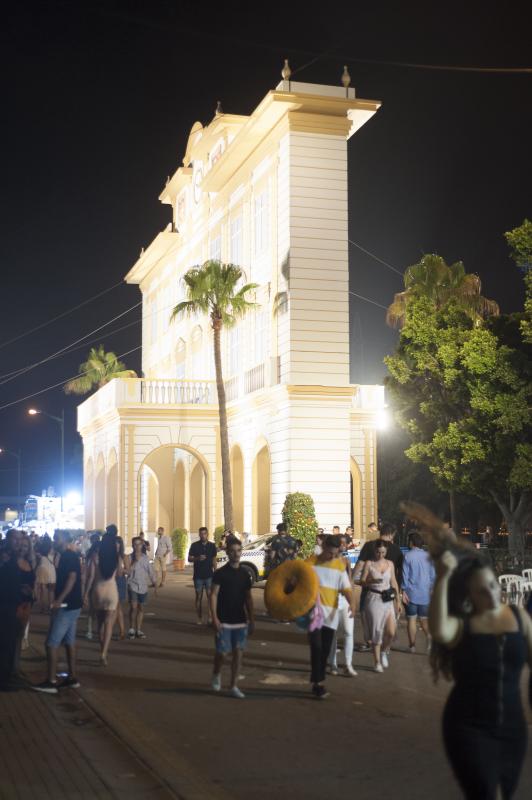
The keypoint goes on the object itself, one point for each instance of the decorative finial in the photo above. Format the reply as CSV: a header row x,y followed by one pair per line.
x,y
346,77
167,179
219,109
141,252
286,71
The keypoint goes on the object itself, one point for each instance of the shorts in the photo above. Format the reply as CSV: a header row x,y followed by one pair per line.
x,y
160,563
136,597
63,625
229,639
417,610
202,583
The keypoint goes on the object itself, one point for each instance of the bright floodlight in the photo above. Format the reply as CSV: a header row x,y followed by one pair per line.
x,y
382,419
33,411
73,499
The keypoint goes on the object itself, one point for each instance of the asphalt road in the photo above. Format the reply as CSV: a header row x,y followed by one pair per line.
x,y
376,736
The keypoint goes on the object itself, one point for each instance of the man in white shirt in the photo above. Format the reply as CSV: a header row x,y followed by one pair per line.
x,y
164,548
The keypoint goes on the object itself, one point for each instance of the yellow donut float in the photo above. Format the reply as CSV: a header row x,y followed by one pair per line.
x,y
291,590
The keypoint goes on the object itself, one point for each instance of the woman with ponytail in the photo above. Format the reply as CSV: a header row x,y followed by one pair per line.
x,y
102,588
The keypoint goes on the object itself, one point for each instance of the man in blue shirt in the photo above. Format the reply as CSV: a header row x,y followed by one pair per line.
x,y
418,578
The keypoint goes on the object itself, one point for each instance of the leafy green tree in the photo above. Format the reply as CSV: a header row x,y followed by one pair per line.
x,y
99,368
213,289
463,392
433,279
300,517
520,241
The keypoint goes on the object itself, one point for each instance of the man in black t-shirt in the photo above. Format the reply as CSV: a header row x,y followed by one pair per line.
x,y
232,616
203,555
65,609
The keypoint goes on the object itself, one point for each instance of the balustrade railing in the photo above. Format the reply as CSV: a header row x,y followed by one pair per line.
x,y
161,392
254,379
232,388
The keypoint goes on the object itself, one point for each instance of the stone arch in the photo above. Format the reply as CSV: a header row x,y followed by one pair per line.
x,y
161,463
356,497
88,493
112,488
261,475
99,493
237,482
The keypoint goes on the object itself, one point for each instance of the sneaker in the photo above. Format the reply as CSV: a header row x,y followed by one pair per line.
x,y
363,648
384,660
319,691
46,686
131,633
412,648
70,682
235,692
24,644
216,682
333,670
349,672
378,668
88,636
140,635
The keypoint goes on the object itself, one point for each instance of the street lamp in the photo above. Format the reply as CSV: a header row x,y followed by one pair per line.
x,y
18,456
61,422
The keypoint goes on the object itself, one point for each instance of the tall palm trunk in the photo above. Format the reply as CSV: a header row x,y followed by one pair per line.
x,y
224,434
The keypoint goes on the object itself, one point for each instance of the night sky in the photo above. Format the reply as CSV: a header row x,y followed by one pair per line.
x,y
98,102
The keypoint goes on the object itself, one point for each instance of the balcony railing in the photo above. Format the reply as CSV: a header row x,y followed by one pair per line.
x,y
161,392
254,379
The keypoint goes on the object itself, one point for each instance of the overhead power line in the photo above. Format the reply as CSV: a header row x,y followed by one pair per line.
x,y
376,258
60,383
367,299
60,316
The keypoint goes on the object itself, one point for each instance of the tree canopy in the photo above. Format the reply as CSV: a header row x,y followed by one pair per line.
x,y
99,368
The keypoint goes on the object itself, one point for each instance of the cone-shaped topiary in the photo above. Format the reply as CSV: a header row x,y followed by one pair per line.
x,y
300,516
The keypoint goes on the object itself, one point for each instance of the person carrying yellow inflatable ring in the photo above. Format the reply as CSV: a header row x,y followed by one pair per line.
x,y
293,590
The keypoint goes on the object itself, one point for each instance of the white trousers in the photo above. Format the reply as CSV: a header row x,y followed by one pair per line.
x,y
346,623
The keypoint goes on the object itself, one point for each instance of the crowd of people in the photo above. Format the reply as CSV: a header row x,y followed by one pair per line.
x,y
452,597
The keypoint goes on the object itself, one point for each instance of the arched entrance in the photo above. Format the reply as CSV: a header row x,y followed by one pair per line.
x,y
356,497
99,494
112,489
88,494
237,482
261,491
174,485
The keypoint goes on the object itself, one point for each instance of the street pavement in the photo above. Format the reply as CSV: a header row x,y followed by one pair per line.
x,y
154,716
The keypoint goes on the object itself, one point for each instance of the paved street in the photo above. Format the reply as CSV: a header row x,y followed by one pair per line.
x,y
373,732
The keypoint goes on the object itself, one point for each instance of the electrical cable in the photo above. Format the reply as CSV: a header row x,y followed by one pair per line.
x,y
61,383
361,297
24,370
368,253
60,316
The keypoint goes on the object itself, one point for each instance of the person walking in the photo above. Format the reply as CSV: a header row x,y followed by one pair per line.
x,y
333,581
141,576
203,555
383,594
45,575
102,589
121,585
232,616
66,609
346,623
162,551
418,579
481,645
94,539
16,592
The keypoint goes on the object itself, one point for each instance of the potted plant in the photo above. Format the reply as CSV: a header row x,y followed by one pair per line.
x,y
179,546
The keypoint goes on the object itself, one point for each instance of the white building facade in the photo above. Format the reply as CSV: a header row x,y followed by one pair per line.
x,y
267,192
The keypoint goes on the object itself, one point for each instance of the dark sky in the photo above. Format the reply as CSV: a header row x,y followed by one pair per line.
x,y
98,101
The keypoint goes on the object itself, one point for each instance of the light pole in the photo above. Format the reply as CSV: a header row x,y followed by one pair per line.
x,y
61,422
18,456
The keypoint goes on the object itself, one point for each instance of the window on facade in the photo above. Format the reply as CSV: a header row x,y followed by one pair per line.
x,y
196,347
215,249
261,336
180,360
236,241
234,351
261,223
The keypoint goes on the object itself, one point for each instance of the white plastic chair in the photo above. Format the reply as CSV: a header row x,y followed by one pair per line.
x,y
527,574
505,580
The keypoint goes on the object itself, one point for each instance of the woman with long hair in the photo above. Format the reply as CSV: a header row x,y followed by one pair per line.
x,y
102,589
481,645
140,576
121,585
382,603
45,575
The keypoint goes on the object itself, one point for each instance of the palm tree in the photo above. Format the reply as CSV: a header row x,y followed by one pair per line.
x,y
99,368
434,279
213,289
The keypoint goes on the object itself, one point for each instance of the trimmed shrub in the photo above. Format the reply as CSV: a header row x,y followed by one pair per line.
x,y
218,533
179,543
300,516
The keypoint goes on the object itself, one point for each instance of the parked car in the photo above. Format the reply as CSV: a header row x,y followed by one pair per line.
x,y
254,557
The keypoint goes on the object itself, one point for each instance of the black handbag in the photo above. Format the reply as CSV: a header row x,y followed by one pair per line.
x,y
388,595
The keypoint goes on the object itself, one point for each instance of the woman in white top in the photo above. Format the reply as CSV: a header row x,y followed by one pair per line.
x,y
379,577
102,588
